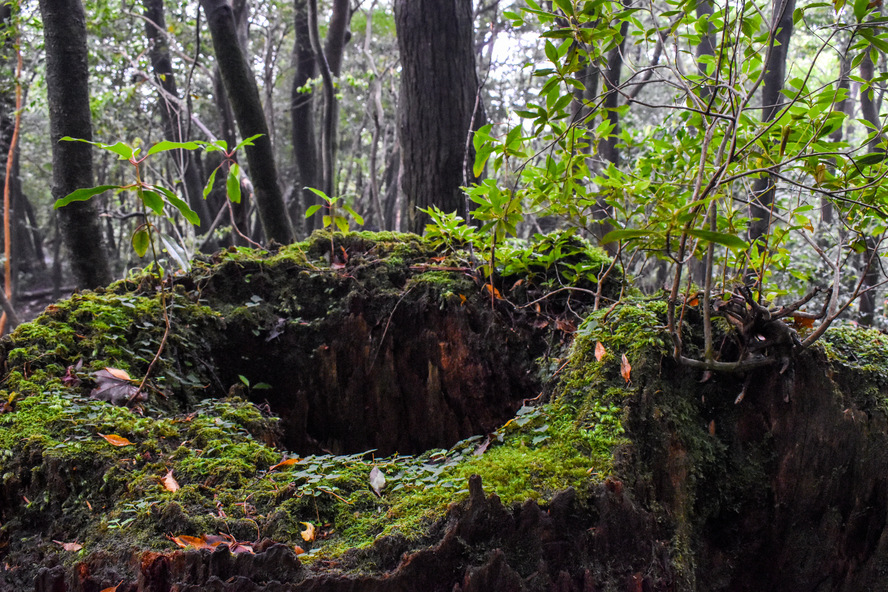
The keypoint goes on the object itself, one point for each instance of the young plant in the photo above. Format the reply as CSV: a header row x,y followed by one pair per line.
x,y
338,214
155,199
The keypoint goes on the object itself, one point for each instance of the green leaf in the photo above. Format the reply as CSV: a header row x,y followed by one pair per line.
x,y
180,205
871,158
720,238
312,209
210,182
358,219
120,149
152,200
232,184
322,195
342,223
141,240
164,145
247,142
83,194
624,234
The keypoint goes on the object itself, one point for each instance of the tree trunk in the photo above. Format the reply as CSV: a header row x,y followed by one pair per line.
x,y
607,146
437,104
869,258
772,102
305,149
244,97
159,53
67,75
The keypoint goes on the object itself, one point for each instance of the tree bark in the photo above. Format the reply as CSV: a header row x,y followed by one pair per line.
x,y
67,75
159,53
869,258
302,115
607,146
244,97
772,102
437,104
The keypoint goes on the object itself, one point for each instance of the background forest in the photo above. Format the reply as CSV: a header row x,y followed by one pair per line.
x,y
706,145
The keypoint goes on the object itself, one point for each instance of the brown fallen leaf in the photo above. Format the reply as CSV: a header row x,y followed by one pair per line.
x,y
492,290
565,326
712,428
625,368
287,462
117,373
599,351
308,535
169,482
115,440
112,588
69,546
299,550
183,540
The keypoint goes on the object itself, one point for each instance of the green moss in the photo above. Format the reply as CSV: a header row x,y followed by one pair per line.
x,y
217,450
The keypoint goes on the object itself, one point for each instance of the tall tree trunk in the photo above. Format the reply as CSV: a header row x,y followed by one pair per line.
x,y
244,97
438,89
186,163
607,146
869,258
305,149
772,102
67,75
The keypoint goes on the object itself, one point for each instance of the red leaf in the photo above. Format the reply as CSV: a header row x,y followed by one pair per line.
x,y
599,351
625,368
169,482
115,440
287,462
69,546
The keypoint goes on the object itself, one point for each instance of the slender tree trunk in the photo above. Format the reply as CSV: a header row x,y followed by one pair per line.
x,y
869,264
67,75
159,53
607,146
772,102
438,89
304,140
244,97
843,106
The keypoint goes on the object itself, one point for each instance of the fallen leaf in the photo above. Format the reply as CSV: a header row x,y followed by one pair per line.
x,y
625,368
802,323
308,535
169,482
287,462
377,481
712,428
117,373
462,299
566,326
299,550
694,301
599,351
112,588
492,290
115,440
111,386
237,547
482,447
189,541
69,546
